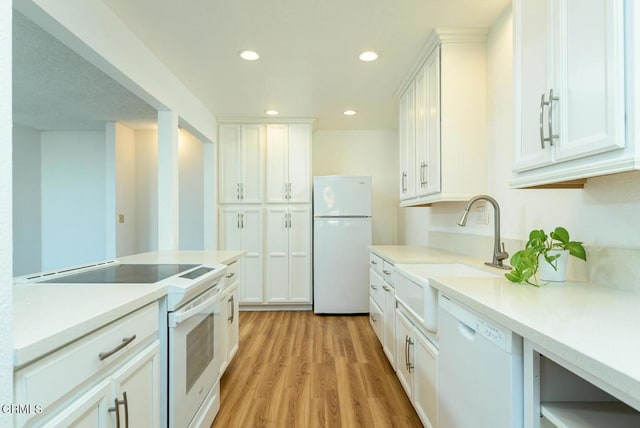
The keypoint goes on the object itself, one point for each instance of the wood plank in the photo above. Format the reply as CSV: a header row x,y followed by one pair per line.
x,y
299,369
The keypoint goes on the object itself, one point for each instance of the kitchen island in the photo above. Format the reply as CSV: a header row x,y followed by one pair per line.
x,y
83,350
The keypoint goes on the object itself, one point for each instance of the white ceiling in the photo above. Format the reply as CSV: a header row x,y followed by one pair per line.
x,y
309,48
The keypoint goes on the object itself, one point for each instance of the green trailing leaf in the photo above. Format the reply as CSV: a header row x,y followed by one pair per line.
x,y
525,262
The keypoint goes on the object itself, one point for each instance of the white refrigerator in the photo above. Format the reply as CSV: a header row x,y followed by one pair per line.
x,y
341,239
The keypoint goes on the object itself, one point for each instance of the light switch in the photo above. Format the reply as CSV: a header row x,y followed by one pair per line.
x,y
120,218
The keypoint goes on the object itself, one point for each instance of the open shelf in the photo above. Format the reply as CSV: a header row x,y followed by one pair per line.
x,y
589,415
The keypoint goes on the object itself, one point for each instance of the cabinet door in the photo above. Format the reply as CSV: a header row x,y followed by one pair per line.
x,y
407,144
225,315
252,155
251,272
277,163
233,322
300,254
422,130
389,315
404,351
277,254
230,232
299,163
90,410
229,163
533,76
425,387
139,379
589,77
431,169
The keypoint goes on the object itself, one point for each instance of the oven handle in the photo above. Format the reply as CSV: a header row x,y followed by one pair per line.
x,y
177,317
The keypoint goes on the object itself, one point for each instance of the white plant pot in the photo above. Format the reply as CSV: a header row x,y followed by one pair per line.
x,y
546,272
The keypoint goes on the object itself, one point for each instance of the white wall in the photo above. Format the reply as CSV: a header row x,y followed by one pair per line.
x,y
373,153
146,191
604,213
27,245
6,191
73,198
191,181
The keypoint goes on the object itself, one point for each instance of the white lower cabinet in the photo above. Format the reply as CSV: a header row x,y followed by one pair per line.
x,y
102,380
241,228
288,253
417,369
376,319
230,330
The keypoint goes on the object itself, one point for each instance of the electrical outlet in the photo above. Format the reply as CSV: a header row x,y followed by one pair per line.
x,y
483,214
120,218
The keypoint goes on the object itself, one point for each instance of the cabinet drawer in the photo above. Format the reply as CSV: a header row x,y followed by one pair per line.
x,y
376,289
376,319
50,379
387,271
376,263
233,270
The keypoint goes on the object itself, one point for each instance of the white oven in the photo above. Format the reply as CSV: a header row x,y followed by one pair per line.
x,y
194,360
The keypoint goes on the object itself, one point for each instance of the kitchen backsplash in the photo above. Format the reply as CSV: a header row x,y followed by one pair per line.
x,y
611,267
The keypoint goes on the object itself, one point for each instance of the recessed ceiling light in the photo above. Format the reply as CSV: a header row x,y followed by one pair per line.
x,y
271,112
368,56
350,112
249,55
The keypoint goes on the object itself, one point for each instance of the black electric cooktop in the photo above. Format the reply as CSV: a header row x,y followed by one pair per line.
x,y
124,274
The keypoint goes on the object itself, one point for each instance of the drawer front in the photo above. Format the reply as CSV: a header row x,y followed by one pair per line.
x,y
376,262
231,276
387,271
376,287
376,319
47,380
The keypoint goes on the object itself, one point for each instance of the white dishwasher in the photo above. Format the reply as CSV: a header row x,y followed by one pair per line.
x,y
480,371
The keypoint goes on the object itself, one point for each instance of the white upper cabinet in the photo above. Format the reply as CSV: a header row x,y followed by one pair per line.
x,y
289,163
442,120
569,90
407,143
240,162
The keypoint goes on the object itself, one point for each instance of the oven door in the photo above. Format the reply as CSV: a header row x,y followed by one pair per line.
x,y
194,360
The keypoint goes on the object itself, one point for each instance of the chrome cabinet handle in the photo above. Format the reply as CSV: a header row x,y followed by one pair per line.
x,y
127,340
552,98
238,220
386,288
242,217
116,409
373,287
406,352
542,104
373,262
230,301
386,272
409,344
230,275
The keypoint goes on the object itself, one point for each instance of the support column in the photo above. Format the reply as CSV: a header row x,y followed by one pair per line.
x,y
168,176
210,240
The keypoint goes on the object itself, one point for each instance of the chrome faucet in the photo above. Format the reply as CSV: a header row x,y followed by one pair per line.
x,y
499,254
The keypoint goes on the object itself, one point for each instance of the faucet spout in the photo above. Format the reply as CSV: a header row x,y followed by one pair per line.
x,y
499,254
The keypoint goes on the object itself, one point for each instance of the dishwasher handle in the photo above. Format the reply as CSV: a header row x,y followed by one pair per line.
x,y
466,331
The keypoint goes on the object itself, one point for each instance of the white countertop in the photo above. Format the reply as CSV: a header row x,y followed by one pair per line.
x,y
48,316
592,327
397,254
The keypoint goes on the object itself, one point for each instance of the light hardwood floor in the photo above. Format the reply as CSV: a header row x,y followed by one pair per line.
x,y
297,369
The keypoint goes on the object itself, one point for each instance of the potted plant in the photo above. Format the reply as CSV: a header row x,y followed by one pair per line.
x,y
545,254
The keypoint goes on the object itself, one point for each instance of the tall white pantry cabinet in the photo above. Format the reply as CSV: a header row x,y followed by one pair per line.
x,y
265,209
